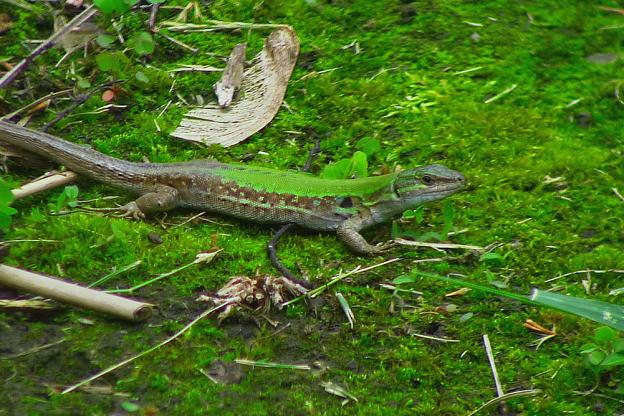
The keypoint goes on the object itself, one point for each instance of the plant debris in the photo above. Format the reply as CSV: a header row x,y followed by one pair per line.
x,y
257,295
261,94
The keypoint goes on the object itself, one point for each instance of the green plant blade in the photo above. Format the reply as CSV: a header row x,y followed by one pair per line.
x,y
596,310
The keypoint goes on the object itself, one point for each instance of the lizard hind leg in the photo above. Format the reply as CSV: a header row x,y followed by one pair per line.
x,y
164,198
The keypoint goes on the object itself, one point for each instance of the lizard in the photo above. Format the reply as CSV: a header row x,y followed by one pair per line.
x,y
253,193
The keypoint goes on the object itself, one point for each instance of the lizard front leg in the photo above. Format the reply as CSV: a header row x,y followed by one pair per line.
x,y
349,232
162,199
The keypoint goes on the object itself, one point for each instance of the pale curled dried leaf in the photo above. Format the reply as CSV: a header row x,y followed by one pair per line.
x,y
261,94
232,76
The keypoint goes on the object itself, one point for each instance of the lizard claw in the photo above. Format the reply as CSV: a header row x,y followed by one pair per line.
x,y
385,246
130,210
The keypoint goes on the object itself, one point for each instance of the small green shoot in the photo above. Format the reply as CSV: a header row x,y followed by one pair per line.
x,y
604,354
67,198
346,308
6,211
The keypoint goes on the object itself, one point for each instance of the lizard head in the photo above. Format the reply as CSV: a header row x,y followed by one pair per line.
x,y
426,183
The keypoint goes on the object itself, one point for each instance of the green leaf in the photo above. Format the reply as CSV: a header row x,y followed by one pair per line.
x,y
143,43
7,210
156,1
368,145
5,221
130,407
360,165
604,334
83,83
69,197
113,6
417,215
404,279
347,168
338,170
587,348
141,77
596,357
613,359
618,345
596,310
105,40
492,258
111,62
6,196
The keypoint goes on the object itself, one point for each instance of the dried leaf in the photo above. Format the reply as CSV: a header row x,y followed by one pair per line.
x,y
39,107
232,76
262,91
78,36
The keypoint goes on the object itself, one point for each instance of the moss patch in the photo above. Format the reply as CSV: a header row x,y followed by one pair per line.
x,y
541,162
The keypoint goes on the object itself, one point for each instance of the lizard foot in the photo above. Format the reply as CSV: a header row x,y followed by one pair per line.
x,y
130,210
384,247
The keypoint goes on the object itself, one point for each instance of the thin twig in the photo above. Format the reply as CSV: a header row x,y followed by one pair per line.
x,y
151,23
619,195
434,338
337,278
466,71
36,103
265,364
81,18
179,43
28,241
501,94
78,100
437,246
189,219
490,356
584,271
33,350
129,360
513,394
198,68
214,25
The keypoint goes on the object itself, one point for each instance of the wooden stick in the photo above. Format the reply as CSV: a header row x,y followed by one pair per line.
x,y
44,184
73,294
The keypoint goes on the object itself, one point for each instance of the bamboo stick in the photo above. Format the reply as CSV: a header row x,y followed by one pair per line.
x,y
73,294
44,184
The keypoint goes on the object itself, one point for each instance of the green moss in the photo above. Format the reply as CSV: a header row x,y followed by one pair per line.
x,y
541,173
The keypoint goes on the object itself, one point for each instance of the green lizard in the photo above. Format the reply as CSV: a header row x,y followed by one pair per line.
x,y
251,193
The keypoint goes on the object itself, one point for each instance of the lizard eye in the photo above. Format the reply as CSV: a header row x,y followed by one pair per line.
x,y
427,179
